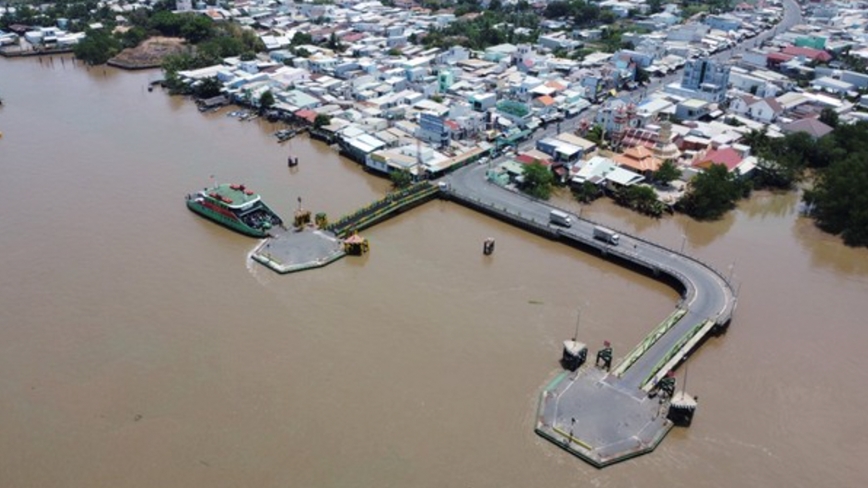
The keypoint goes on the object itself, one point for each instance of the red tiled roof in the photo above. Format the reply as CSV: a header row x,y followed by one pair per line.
x,y
807,52
555,85
355,36
546,100
525,159
306,114
646,162
727,156
779,57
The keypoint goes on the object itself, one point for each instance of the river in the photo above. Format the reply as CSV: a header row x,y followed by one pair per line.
x,y
140,347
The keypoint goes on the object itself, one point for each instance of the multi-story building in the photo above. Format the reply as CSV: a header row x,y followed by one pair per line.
x,y
707,78
434,129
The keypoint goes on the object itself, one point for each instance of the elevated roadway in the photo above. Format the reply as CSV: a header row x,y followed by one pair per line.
x,y
707,296
599,416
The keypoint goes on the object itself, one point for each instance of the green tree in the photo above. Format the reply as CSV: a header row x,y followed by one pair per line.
x,y
667,172
642,75
198,28
321,120
641,198
712,193
301,38
538,181
840,199
773,174
133,37
829,117
758,140
97,47
167,23
556,9
401,178
334,44
266,100
587,192
595,135
208,88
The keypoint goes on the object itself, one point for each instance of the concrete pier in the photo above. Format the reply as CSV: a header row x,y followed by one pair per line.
x,y
587,415
291,250
600,416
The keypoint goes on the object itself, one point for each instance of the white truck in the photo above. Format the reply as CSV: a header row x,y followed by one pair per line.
x,y
606,235
560,218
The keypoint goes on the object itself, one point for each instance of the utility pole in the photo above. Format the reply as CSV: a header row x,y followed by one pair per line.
x,y
578,319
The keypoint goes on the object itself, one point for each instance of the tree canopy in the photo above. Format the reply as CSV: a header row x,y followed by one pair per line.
x,y
538,181
401,178
587,192
667,172
839,198
713,192
640,198
321,120
829,117
489,28
266,100
97,47
208,88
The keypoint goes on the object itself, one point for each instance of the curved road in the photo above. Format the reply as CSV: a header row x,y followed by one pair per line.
x,y
706,296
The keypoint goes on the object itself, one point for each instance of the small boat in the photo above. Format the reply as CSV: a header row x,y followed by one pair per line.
x,y
285,134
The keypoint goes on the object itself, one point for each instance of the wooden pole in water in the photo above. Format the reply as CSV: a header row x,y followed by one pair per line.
x,y
578,319
684,386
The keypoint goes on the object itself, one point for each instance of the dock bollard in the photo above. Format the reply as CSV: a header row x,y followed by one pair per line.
x,y
681,409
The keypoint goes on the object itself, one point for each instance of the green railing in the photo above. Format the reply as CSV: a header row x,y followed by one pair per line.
x,y
675,349
649,341
381,209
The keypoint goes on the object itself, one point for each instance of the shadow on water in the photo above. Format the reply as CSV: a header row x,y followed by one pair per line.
x,y
828,251
702,233
771,204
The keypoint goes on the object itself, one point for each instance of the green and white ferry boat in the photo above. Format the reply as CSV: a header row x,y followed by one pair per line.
x,y
236,207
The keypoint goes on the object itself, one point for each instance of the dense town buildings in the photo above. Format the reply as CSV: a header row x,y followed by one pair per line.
x,y
395,104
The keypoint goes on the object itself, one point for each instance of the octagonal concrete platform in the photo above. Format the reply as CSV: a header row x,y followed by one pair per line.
x,y
290,250
590,415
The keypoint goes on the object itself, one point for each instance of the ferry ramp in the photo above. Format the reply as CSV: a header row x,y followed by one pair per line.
x,y
383,209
